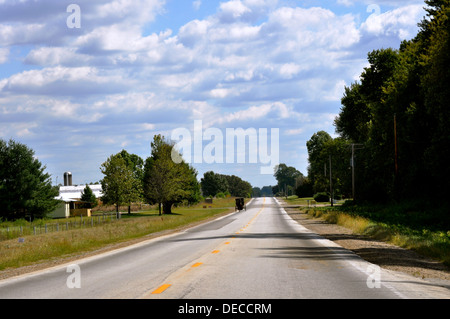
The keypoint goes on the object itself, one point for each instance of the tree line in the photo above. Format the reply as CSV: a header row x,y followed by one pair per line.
x,y
26,191
395,119
160,180
219,185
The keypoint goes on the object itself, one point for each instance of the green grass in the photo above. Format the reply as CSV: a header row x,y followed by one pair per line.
x,y
295,200
412,225
43,247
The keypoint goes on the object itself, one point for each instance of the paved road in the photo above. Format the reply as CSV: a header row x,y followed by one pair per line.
x,y
257,253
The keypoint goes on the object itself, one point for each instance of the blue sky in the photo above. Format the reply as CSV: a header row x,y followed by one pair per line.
x,y
138,68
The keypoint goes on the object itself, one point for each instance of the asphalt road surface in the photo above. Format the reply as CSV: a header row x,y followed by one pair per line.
x,y
259,253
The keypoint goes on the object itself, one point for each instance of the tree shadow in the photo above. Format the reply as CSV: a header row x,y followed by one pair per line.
x,y
313,253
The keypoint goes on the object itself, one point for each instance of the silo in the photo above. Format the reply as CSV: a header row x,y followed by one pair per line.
x,y
67,179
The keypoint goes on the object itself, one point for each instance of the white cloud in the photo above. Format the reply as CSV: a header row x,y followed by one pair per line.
x,y
401,22
276,110
56,56
232,10
62,81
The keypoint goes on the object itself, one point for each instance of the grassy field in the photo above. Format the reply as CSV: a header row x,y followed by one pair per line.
x,y
32,249
409,225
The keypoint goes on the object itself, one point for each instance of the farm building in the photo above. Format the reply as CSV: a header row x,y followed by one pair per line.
x,y
71,205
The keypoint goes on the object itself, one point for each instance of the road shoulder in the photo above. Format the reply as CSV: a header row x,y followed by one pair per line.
x,y
385,255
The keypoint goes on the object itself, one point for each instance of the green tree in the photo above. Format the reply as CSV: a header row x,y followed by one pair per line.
x,y
213,183
167,182
256,192
399,111
321,148
286,177
25,188
237,187
436,86
136,165
266,191
119,183
87,195
318,161
304,187
354,119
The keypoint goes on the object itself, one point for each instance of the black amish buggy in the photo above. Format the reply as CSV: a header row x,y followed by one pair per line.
x,y
240,204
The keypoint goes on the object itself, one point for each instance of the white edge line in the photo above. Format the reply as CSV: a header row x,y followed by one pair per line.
x,y
361,265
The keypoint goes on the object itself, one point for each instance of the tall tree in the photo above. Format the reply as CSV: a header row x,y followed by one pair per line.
x,y
317,161
213,183
167,182
286,177
436,83
399,111
119,184
25,188
136,165
321,149
237,187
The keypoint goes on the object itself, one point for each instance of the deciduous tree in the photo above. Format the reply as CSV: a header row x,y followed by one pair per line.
x,y
167,182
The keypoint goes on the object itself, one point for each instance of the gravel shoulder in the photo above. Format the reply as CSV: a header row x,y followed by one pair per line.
x,y
383,254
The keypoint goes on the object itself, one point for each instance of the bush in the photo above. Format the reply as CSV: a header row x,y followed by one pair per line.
x,y
321,197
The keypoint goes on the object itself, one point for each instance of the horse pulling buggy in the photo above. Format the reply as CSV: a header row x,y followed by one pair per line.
x,y
240,204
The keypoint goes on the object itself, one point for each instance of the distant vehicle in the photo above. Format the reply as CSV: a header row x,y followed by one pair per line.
x,y
240,204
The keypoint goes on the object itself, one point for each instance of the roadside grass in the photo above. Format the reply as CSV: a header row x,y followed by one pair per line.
x,y
33,249
294,200
408,225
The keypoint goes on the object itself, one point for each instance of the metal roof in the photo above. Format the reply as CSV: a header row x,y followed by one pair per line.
x,y
73,193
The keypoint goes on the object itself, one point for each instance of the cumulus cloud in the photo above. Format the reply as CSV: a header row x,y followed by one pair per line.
x,y
400,22
62,81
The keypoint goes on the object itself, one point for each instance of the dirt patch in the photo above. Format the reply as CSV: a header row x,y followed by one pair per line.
x,y
385,255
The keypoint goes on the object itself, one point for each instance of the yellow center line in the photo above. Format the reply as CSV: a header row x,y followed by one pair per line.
x,y
161,289
164,287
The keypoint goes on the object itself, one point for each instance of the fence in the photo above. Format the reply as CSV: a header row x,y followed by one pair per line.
x,y
11,232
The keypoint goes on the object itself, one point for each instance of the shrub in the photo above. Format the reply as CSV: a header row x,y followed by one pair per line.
x,y
321,197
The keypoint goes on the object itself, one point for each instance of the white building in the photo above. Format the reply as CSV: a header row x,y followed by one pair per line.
x,y
73,193
70,196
